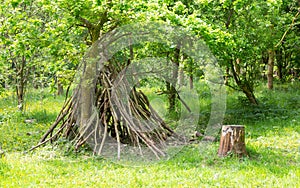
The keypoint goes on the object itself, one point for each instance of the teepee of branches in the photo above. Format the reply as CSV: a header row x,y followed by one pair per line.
x,y
107,112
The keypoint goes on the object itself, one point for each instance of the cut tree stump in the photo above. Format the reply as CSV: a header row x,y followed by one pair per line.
x,y
232,141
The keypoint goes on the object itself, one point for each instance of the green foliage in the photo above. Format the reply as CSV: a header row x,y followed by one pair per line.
x,y
37,41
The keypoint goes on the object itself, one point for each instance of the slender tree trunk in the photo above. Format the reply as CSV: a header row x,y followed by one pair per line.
x,y
270,68
86,97
280,73
226,77
265,59
181,77
21,80
191,81
60,88
237,67
279,63
172,89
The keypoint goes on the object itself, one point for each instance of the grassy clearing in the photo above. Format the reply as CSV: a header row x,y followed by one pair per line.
x,y
273,141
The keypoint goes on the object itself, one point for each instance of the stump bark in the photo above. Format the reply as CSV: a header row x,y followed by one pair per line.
x,y
232,141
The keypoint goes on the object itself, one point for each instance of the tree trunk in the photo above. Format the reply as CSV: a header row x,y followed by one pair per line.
x,y
279,64
191,80
270,68
21,80
172,99
232,141
265,59
88,85
60,88
89,72
172,89
249,94
181,77
226,77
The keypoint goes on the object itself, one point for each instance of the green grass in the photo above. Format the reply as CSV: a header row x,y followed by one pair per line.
x,y
15,133
272,140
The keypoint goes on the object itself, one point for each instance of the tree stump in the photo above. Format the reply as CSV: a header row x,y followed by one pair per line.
x,y
232,141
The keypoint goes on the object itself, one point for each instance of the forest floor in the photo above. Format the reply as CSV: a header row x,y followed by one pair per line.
x,y
272,141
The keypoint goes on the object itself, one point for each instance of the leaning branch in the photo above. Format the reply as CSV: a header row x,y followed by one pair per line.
x,y
291,26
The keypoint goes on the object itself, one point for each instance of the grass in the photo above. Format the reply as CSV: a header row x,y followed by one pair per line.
x,y
18,135
272,140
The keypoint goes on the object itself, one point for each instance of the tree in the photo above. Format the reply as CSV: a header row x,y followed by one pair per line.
x,y
287,47
18,40
35,44
238,33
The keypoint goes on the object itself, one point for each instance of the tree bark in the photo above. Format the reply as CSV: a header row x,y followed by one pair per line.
x,y
271,54
232,141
